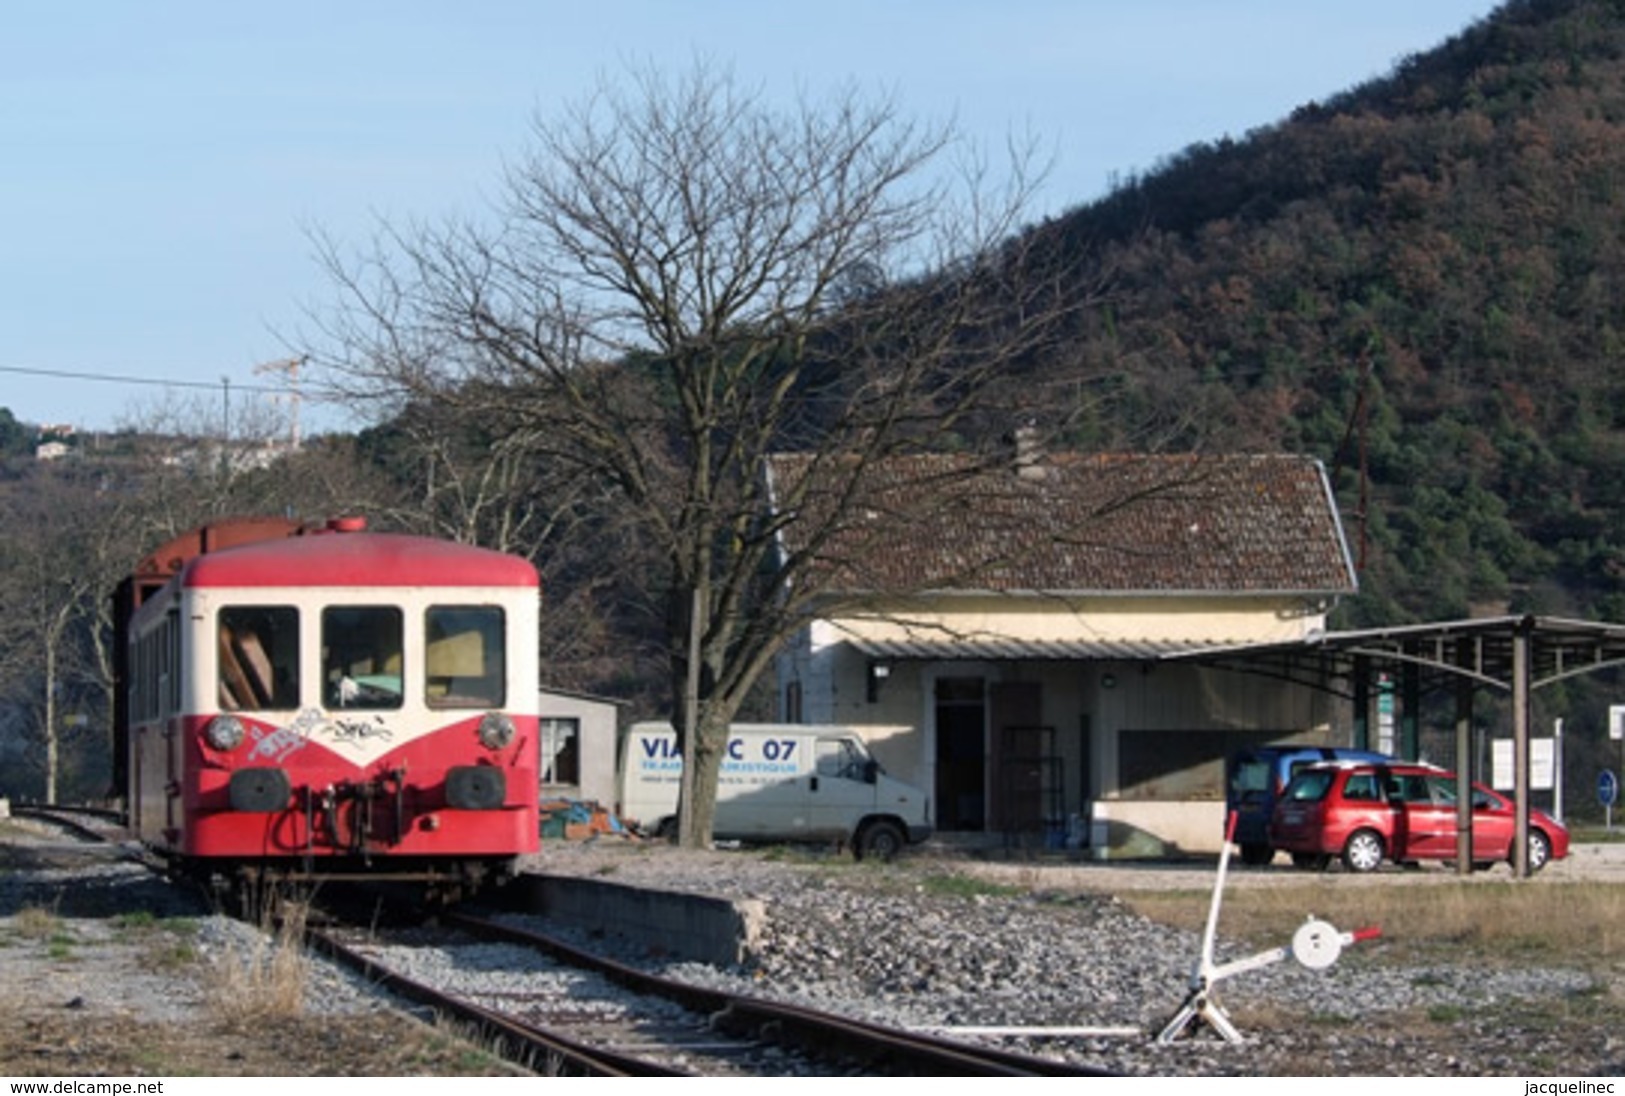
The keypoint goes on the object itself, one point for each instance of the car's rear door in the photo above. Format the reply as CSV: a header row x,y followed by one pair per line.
x,y
1493,824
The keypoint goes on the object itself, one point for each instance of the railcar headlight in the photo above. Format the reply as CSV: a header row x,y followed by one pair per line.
x,y
224,732
496,730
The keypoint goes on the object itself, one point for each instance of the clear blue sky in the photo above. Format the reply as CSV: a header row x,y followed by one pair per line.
x,y
163,162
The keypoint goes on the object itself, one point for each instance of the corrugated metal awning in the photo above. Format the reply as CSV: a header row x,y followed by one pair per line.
x,y
1057,650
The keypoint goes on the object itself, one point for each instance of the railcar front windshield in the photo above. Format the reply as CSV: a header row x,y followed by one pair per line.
x,y
465,663
258,658
362,657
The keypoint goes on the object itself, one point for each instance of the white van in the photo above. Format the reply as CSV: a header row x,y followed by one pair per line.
x,y
779,782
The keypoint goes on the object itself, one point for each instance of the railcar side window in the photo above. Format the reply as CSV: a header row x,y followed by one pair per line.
x,y
259,658
362,662
464,657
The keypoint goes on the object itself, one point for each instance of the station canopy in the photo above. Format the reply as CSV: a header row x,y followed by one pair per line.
x,y
1490,651
1483,650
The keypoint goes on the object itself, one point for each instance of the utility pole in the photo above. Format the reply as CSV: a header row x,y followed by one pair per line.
x,y
225,426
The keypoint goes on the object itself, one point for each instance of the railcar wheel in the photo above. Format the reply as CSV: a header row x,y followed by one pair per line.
x,y
1364,851
879,840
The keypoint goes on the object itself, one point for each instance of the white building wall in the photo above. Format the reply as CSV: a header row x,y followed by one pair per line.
x,y
1091,704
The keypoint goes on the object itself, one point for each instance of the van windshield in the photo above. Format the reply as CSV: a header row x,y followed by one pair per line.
x,y
840,758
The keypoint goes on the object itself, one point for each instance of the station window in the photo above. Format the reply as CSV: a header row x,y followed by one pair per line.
x,y
561,751
259,658
464,657
362,657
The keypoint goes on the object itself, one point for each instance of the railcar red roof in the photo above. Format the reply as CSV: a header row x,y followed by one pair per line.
x,y
358,559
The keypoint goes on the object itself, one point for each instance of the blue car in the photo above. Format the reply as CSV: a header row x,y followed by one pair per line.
x,y
1255,779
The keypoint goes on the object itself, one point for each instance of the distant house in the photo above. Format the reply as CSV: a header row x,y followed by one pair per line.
x,y
55,441
1037,631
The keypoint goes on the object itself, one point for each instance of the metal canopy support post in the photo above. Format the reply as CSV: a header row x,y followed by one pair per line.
x,y
1410,704
1520,747
1362,702
1464,760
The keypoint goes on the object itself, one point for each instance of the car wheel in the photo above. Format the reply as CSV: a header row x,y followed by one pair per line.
x,y
1363,852
1540,850
880,840
1310,861
1256,854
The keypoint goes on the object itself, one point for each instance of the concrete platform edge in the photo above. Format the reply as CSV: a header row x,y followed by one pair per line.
x,y
701,928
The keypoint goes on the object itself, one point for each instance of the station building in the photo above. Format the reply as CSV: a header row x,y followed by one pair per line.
x,y
1029,648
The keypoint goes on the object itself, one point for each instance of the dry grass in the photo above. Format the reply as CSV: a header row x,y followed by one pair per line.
x,y
1580,922
169,944
266,977
36,923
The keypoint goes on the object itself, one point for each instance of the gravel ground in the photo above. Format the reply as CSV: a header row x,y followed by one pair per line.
x,y
1065,951
117,974
107,971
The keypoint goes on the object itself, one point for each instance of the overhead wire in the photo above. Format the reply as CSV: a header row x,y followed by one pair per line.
x,y
125,378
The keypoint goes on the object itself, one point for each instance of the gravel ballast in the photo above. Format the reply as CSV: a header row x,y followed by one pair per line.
x,y
1048,947
1060,950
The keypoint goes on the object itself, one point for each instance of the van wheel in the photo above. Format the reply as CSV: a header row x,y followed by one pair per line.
x,y
1256,854
879,840
1364,851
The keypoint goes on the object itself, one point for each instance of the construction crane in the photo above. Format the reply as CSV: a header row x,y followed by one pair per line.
x,y
290,368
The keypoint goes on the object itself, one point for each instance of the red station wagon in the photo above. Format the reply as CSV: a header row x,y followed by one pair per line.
x,y
1367,813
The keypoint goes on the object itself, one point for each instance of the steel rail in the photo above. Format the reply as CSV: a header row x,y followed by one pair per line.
x,y
536,1049
874,1046
66,818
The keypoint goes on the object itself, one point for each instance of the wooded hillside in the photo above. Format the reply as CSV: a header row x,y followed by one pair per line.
x,y
1429,268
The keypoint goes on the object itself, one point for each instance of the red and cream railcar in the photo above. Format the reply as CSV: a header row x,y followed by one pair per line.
x,y
332,703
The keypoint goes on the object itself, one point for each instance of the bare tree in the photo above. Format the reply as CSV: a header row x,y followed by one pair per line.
x,y
52,577
680,281
76,527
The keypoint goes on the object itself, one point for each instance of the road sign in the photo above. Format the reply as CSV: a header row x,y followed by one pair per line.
x,y
1607,788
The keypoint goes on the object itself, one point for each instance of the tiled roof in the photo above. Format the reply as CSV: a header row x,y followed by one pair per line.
x,y
1071,523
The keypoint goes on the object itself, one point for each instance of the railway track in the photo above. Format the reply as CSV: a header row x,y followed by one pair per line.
x,y
92,825
573,1012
